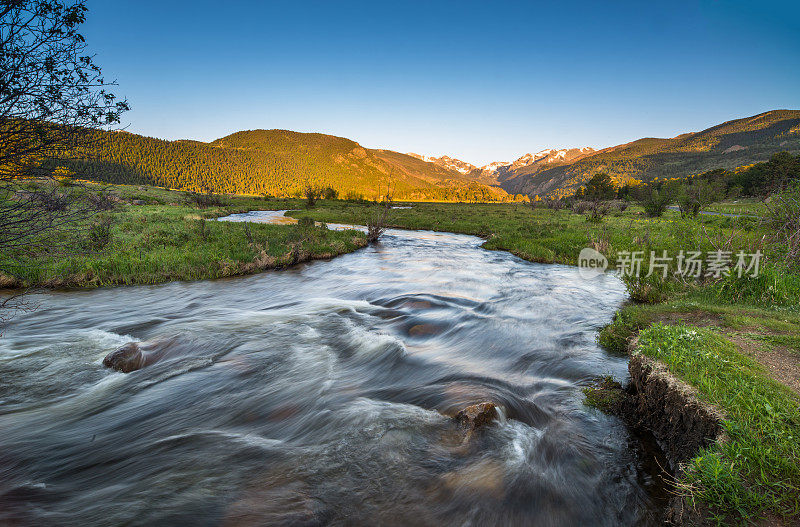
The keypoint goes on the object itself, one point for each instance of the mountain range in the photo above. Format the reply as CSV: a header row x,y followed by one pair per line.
x,y
497,172
283,163
557,172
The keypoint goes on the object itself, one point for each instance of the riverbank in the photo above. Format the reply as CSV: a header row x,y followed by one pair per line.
x,y
745,362
736,342
154,236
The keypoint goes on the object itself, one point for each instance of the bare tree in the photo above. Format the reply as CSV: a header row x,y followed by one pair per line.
x,y
783,217
12,305
53,101
376,224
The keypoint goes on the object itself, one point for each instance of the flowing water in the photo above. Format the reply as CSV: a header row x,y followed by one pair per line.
x,y
318,396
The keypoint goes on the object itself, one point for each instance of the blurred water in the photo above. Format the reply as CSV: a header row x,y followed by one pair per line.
x,y
315,396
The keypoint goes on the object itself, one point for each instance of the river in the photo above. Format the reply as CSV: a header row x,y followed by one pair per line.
x,y
317,396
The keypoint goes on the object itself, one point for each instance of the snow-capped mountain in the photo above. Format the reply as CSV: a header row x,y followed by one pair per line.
x,y
552,155
503,172
447,162
494,167
547,156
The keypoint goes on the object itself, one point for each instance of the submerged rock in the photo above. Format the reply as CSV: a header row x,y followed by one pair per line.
x,y
424,330
277,501
136,355
477,415
483,478
126,359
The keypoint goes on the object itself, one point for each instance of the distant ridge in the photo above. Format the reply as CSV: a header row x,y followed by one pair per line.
x,y
283,162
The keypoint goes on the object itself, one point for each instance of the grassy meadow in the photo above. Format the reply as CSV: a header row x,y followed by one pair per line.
x,y
154,235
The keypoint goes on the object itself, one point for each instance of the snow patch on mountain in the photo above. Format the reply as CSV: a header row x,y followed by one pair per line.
x,y
551,155
447,162
546,156
494,167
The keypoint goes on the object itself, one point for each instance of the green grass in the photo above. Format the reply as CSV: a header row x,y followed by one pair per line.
x,y
548,236
159,242
605,395
791,342
755,472
741,206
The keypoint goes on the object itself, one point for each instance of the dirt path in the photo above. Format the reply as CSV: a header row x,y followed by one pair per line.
x,y
781,362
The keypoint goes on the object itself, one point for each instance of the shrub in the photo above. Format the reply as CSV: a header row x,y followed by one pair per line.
x,y
354,196
102,201
374,231
597,212
206,199
100,233
376,225
602,242
688,206
692,196
655,202
311,194
330,193
598,188
652,289
50,201
581,207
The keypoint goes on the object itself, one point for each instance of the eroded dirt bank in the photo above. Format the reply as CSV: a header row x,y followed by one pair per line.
x,y
669,408
657,402
682,424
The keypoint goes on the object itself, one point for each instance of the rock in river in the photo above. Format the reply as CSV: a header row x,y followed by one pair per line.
x,y
477,415
126,359
136,355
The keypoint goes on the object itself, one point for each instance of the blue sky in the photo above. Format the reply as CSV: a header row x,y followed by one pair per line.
x,y
481,81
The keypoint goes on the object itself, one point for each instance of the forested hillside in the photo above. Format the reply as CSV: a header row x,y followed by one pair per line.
x,y
275,162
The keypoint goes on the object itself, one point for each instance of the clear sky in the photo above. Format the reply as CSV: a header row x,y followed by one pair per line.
x,y
481,81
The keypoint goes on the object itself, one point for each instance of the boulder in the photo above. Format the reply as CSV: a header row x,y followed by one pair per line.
x,y
477,415
126,359
136,355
